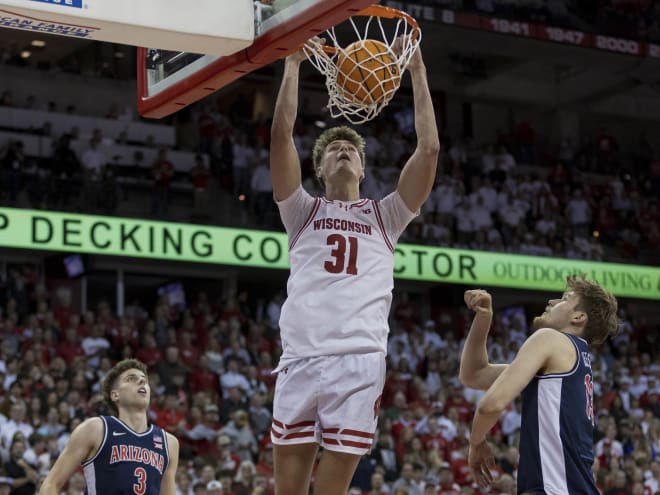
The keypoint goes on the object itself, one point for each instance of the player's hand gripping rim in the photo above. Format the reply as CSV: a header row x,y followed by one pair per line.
x,y
415,62
313,46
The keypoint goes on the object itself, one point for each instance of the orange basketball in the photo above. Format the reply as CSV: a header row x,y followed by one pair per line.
x,y
367,72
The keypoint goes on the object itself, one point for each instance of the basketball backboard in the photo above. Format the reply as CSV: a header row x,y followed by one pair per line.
x,y
169,80
221,27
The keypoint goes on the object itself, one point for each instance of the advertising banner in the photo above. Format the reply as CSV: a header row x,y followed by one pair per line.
x,y
129,237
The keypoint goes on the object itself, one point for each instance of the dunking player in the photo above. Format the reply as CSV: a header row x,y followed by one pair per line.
x,y
120,453
334,323
553,371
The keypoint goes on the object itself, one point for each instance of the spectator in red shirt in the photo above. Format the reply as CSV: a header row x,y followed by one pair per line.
x,y
405,420
124,334
461,471
447,485
65,316
188,352
457,400
404,442
202,378
433,439
70,347
170,416
150,354
227,460
265,369
265,464
422,401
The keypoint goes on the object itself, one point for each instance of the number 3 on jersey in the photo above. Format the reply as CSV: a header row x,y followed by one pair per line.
x,y
338,243
141,486
589,390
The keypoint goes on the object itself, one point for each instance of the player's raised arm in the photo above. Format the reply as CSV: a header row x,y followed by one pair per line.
x,y
475,371
532,357
418,175
168,483
82,445
284,161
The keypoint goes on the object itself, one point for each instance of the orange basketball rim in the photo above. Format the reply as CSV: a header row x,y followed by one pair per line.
x,y
361,65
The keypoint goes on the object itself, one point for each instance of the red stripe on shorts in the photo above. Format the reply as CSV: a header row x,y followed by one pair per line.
x,y
357,445
276,434
331,430
299,434
278,423
331,441
357,433
301,424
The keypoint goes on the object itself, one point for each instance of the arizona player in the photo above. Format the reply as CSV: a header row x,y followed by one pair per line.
x,y
552,370
121,454
334,323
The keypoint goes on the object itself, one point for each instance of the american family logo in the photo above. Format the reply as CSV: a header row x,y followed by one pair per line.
x,y
64,3
17,21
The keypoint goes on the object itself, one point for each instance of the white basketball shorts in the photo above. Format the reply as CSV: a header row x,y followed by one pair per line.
x,y
330,400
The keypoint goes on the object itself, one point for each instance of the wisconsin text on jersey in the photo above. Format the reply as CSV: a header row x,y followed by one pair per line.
x,y
343,225
130,453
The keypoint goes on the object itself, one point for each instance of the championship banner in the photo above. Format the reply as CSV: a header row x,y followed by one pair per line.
x,y
531,30
129,237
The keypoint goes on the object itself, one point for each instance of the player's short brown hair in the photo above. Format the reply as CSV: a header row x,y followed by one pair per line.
x,y
110,380
599,305
343,133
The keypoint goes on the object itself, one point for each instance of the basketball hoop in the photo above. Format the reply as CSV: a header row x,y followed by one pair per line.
x,y
375,26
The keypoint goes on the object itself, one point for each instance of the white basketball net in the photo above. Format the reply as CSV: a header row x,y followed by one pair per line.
x,y
378,23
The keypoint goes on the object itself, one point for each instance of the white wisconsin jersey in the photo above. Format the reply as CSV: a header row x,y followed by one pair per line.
x,y
342,267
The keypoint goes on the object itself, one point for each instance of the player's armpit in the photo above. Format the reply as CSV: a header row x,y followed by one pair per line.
x,y
531,358
168,483
82,445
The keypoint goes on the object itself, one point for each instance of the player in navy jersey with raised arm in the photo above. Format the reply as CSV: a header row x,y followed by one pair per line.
x,y
120,454
552,372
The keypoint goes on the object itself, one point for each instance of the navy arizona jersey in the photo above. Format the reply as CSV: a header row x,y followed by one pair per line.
x,y
556,436
127,462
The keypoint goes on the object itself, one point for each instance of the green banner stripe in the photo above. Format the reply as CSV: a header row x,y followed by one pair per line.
x,y
113,236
